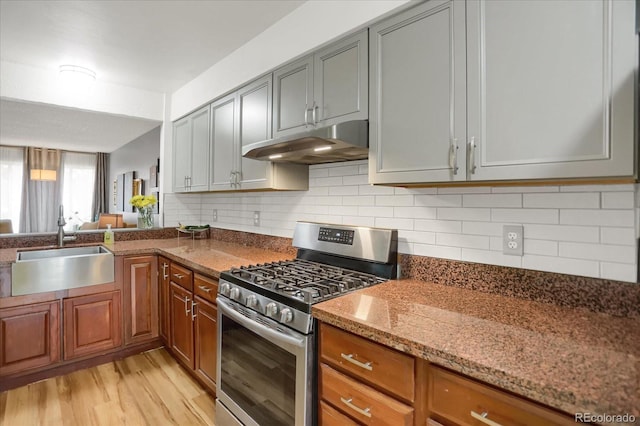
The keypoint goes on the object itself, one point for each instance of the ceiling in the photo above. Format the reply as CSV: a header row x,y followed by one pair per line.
x,y
152,45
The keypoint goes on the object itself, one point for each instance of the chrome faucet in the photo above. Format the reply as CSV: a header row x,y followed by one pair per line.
x,y
62,237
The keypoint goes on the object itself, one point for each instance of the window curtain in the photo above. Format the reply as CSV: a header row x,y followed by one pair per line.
x,y
11,169
41,198
101,189
79,175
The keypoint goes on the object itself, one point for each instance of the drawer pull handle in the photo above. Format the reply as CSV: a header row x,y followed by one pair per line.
x,y
363,411
205,289
484,419
351,359
178,276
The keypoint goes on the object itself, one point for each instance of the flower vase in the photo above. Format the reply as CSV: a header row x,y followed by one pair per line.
x,y
145,217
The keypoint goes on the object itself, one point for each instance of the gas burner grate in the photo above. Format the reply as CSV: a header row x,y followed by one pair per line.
x,y
308,281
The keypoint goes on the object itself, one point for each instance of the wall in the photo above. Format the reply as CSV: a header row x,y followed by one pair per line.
x,y
138,155
580,230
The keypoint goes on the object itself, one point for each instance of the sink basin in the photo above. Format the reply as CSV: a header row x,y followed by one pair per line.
x,y
37,271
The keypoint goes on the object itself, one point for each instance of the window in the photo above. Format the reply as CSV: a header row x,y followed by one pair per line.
x,y
79,173
11,167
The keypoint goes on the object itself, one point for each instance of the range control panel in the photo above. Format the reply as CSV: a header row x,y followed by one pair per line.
x,y
339,236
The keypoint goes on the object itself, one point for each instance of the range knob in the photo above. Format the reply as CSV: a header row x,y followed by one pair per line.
x,y
224,289
251,301
286,315
272,309
234,294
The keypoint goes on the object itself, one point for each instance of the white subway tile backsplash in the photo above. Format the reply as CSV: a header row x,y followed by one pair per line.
x,y
618,200
583,230
438,200
461,240
525,215
598,217
415,212
602,252
590,200
621,236
447,226
561,265
464,214
587,234
492,200
616,271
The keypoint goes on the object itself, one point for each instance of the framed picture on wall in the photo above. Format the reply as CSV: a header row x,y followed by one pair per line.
x,y
128,191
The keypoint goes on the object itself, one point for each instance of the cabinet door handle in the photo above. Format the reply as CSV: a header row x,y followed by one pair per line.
x,y
164,271
453,156
306,115
472,155
484,419
348,403
193,311
186,306
204,288
351,359
314,108
178,276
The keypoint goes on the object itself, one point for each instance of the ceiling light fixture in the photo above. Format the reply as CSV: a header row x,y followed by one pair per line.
x,y
43,174
77,73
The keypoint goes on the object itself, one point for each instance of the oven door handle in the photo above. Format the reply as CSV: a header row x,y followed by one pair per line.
x,y
258,328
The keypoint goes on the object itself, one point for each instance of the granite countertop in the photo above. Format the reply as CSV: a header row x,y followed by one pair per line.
x,y
571,359
206,256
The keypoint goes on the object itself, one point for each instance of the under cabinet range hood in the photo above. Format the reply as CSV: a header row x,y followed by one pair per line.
x,y
341,142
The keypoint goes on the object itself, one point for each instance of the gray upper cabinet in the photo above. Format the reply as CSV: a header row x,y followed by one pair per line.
x,y
242,118
223,143
322,89
293,96
550,89
417,99
191,152
494,90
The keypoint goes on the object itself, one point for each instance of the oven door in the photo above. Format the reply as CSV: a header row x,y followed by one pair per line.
x,y
264,370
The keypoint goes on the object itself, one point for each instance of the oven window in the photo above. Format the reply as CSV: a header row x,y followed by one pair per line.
x,y
257,375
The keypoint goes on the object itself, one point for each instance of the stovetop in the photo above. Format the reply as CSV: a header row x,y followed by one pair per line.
x,y
303,280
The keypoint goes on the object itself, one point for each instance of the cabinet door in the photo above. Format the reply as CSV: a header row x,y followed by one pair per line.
x,y
163,302
551,88
140,299
206,339
417,98
92,324
181,154
255,126
341,81
293,97
29,337
181,331
199,173
223,139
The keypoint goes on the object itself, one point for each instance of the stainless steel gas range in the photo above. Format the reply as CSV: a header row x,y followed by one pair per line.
x,y
266,335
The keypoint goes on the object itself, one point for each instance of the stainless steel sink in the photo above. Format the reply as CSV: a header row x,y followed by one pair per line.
x,y
37,271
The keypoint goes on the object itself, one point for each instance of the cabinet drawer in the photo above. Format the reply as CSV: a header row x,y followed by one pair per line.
x,y
329,416
384,367
456,398
205,287
361,402
182,276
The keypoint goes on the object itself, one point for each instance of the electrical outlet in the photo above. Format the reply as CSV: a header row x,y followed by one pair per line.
x,y
513,240
215,215
256,218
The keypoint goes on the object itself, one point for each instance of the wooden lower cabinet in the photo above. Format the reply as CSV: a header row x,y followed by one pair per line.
x,y
140,299
206,341
181,330
92,324
29,337
163,299
457,400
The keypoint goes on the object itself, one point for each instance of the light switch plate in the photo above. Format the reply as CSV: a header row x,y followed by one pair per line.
x,y
513,240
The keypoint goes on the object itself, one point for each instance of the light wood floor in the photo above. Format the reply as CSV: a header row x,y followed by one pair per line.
x,y
145,389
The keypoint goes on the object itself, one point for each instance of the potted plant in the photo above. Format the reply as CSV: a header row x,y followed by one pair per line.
x,y
144,204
